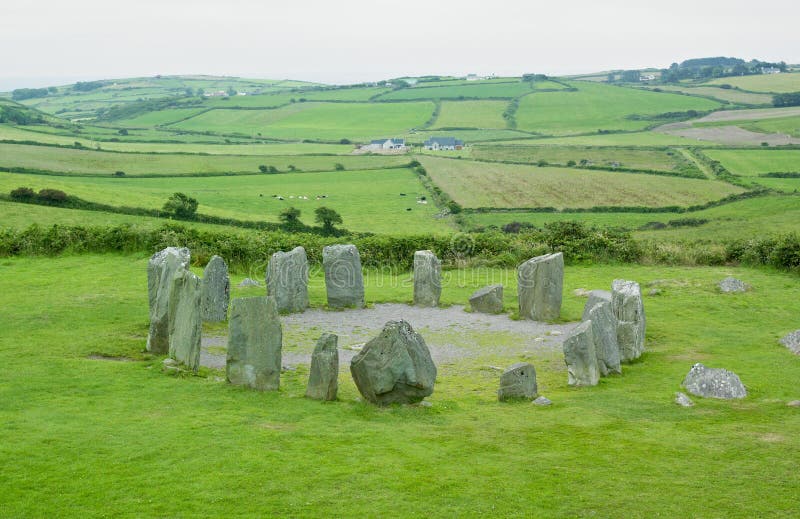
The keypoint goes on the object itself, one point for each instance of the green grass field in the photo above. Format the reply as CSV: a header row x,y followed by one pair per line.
x,y
643,138
483,90
599,107
751,163
91,162
159,118
763,83
481,184
472,114
328,121
723,94
195,446
381,208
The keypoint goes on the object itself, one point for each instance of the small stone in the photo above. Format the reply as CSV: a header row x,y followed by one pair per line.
x,y
287,280
595,296
794,403
554,333
654,292
580,292
542,401
216,290
247,282
255,341
540,284
792,341
683,400
732,285
344,281
581,357
487,300
517,382
169,362
713,383
323,379
427,279
425,403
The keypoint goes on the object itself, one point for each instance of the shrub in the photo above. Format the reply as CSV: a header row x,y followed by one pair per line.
x,y
338,166
262,168
53,196
119,174
454,207
571,164
181,205
23,193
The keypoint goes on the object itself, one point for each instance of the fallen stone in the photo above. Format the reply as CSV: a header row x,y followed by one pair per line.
x,y
216,290
517,382
395,367
713,383
542,401
595,296
580,356
793,403
247,282
344,281
186,323
160,270
255,340
323,380
683,400
540,283
792,341
604,334
487,300
425,403
287,280
654,292
427,278
731,285
628,309
581,292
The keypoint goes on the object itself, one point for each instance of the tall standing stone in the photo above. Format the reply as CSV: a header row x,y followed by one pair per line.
x,y
580,356
628,309
539,285
216,290
604,333
255,339
595,296
186,324
287,280
344,282
323,380
394,367
160,270
517,382
427,278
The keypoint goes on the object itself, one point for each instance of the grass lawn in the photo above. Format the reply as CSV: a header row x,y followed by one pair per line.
x,y
599,107
481,184
94,438
368,201
751,163
472,114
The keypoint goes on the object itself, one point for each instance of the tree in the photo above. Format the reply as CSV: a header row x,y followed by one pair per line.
x,y
328,218
123,132
181,205
262,168
231,91
338,166
290,217
189,92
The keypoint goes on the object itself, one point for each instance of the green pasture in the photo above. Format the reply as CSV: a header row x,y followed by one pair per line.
x,y
160,117
492,89
482,184
723,94
99,438
778,83
369,201
101,163
597,107
751,163
471,114
642,138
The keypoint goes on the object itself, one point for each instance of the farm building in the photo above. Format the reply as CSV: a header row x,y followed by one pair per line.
x,y
385,144
443,143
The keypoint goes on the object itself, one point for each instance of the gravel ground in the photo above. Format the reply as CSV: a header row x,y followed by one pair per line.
x,y
451,333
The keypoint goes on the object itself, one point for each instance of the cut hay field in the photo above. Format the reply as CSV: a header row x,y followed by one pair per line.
x,y
630,158
159,118
469,136
471,114
779,83
786,125
100,163
724,94
597,107
73,417
481,184
643,138
478,90
368,201
751,163
326,121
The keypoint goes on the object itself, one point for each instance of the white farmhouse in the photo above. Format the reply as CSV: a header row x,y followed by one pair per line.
x,y
443,143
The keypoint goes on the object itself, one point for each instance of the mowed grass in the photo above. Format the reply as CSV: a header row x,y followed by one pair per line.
x,y
472,114
159,117
477,90
482,184
91,162
71,419
786,125
751,163
599,107
331,121
642,138
368,201
631,158
778,83
723,94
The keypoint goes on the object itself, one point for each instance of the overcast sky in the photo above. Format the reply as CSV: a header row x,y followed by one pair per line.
x,y
55,41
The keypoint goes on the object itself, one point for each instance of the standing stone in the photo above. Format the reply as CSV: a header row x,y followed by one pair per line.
x,y
344,282
395,367
427,278
287,280
254,343
604,333
539,285
160,270
518,382
186,324
323,381
580,356
216,290
595,296
628,309
487,300
713,383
